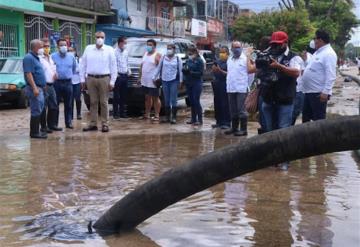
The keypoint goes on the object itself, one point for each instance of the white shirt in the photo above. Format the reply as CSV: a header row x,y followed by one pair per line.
x,y
122,61
237,78
358,62
76,76
49,68
148,70
303,66
320,74
98,62
170,68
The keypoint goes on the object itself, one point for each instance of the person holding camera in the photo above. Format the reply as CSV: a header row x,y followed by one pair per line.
x,y
319,78
237,84
193,71
279,90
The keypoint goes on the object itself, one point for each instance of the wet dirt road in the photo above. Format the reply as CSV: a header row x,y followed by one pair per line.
x,y
50,190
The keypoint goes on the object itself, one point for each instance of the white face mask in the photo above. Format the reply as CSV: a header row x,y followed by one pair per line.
x,y
63,49
40,52
99,41
170,52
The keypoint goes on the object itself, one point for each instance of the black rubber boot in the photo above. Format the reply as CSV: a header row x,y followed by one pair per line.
x,y
52,120
34,128
234,127
167,115
243,128
44,128
78,109
173,115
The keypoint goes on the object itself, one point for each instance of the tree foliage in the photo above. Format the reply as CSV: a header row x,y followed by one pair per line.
x,y
300,19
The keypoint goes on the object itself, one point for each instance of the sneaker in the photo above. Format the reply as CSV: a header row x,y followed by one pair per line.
x,y
214,126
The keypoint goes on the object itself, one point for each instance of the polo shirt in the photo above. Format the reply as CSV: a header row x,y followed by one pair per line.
x,y
31,64
65,65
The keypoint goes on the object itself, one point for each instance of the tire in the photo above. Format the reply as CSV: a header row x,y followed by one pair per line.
x,y
22,102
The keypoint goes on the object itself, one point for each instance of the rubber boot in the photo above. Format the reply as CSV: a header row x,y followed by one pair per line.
x,y
44,128
34,128
243,128
234,127
167,115
193,117
53,119
173,115
78,110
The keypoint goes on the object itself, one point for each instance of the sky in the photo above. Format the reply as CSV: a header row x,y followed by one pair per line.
x,y
259,5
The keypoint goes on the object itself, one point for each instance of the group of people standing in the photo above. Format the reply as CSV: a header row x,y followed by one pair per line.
x,y
302,83
51,78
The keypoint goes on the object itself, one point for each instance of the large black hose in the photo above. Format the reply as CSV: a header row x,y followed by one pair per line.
x,y
255,153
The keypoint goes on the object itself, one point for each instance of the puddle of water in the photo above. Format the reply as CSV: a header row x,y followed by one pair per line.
x,y
50,190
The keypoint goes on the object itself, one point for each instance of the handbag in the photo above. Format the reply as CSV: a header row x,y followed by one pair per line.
x,y
251,101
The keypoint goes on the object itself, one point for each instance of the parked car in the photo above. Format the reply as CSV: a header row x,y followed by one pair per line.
x,y
137,48
12,82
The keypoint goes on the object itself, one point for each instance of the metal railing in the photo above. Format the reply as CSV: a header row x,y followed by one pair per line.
x,y
166,27
9,46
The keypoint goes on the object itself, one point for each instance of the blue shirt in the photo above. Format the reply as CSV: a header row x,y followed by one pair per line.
x,y
65,65
31,64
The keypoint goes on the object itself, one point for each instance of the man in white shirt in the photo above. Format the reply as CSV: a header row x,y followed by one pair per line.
x,y
319,78
237,84
358,64
98,67
121,84
49,115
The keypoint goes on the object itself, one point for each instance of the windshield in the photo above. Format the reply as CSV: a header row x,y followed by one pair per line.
x,y
8,66
138,48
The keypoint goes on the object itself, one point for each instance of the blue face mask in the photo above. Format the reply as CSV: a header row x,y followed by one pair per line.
x,y
149,48
237,51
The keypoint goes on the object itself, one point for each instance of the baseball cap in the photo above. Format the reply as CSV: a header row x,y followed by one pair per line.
x,y
279,37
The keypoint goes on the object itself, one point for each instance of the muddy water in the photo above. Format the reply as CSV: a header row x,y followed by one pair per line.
x,y
50,190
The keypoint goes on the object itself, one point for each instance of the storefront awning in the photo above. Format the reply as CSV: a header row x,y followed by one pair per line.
x,y
23,5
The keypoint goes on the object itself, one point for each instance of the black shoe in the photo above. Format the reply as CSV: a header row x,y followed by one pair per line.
x,y
243,127
124,115
224,127
198,123
240,133
90,128
234,127
69,126
215,126
79,117
190,122
55,128
46,130
105,128
116,117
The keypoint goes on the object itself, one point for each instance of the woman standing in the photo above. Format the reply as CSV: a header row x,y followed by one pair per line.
x,y
76,95
193,72
170,71
221,103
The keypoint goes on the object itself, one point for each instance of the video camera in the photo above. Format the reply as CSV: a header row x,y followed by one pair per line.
x,y
267,75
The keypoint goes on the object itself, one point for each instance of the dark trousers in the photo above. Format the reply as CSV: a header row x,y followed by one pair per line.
x,y
298,106
221,103
76,97
193,91
261,113
237,105
313,108
64,91
120,93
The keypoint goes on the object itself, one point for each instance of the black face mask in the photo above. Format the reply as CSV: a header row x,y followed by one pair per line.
x,y
310,50
277,50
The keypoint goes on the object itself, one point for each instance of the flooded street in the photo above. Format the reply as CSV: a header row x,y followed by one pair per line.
x,y
50,190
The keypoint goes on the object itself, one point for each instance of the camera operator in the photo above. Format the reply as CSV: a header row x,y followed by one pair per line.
x,y
279,93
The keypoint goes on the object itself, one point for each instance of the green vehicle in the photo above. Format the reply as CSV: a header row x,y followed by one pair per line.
x,y
12,82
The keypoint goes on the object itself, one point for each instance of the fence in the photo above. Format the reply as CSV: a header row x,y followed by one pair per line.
x,y
9,45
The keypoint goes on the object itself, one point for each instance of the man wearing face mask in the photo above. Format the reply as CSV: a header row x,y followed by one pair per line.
x,y
237,84
150,61
278,95
35,84
121,84
98,63
51,109
170,72
65,69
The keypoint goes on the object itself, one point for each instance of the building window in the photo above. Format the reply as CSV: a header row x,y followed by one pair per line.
x,y
138,5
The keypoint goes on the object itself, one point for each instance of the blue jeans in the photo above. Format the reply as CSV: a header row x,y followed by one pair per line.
x,y
76,96
221,103
277,116
298,106
51,100
193,91
64,90
120,93
261,113
170,89
37,104
313,108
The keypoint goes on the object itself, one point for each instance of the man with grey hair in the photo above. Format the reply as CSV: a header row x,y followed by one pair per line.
x,y
35,84
98,65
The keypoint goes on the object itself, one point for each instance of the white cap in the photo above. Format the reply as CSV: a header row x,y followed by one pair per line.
x,y
312,44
